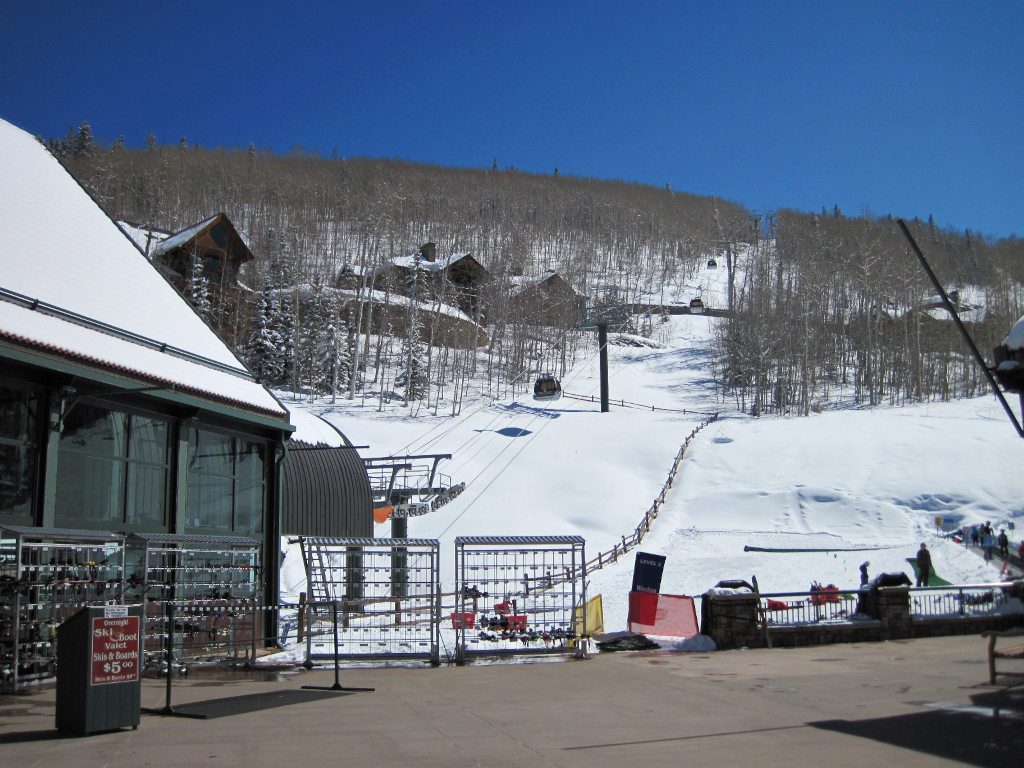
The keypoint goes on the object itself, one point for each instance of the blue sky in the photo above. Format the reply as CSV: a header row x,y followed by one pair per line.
x,y
908,108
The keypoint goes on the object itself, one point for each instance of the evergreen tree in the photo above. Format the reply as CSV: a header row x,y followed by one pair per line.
x,y
84,144
264,349
413,372
282,318
199,289
317,338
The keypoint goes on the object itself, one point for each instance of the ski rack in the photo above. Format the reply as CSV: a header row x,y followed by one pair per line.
x,y
519,595
46,576
212,585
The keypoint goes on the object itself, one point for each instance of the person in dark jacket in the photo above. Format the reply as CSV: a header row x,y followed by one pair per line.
x,y
924,566
864,573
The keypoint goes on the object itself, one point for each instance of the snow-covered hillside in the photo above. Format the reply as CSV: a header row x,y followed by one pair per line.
x,y
871,481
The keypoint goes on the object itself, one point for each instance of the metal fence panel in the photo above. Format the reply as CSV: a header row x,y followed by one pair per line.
x,y
518,595
384,594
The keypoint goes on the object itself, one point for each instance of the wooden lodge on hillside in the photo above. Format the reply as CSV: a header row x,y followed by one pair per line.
x,y
216,247
213,243
456,280
546,299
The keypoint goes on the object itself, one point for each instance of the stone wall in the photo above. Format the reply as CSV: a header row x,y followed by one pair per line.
x,y
733,621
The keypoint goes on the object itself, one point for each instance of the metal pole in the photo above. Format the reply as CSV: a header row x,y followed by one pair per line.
x,y
960,326
337,661
602,342
167,709
460,603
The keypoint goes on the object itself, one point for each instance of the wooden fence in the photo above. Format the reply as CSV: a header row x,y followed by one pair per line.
x,y
633,540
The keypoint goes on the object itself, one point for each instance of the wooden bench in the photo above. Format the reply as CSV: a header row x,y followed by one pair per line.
x,y
1007,652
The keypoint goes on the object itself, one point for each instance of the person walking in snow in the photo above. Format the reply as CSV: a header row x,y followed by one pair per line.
x,y
1004,544
864,573
924,566
988,543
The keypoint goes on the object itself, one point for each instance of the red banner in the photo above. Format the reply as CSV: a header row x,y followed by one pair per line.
x,y
664,615
115,650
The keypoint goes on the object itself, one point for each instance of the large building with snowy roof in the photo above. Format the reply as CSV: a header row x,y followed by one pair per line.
x,y
120,409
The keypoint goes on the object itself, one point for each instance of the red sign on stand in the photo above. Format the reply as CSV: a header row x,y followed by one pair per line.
x,y
115,650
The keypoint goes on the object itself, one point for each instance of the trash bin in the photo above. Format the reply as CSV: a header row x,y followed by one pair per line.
x,y
99,669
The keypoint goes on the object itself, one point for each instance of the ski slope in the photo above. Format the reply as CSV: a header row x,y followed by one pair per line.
x,y
867,483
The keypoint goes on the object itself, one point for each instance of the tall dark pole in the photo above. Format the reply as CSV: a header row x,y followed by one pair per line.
x,y
960,326
602,342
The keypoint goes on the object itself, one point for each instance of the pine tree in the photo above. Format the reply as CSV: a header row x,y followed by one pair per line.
x,y
282,317
199,289
413,366
264,349
413,372
318,338
84,144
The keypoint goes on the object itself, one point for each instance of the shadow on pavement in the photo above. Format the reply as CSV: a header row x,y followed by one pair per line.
x,y
240,705
988,733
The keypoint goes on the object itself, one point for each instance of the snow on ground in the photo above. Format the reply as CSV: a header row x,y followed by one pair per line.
x,y
871,480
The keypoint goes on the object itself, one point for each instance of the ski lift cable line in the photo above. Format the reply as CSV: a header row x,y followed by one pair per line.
x,y
409,446
628,404
466,459
498,474
421,446
479,434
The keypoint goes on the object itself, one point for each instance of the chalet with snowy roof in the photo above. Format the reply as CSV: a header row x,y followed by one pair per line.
x,y
214,244
127,426
456,279
935,308
547,299
211,250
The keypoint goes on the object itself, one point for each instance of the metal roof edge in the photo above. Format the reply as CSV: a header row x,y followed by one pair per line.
x,y
51,359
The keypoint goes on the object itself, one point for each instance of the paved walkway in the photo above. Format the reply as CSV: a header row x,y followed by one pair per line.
x,y
909,703
1013,564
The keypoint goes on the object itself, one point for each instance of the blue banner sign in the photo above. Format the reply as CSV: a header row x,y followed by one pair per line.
x,y
647,570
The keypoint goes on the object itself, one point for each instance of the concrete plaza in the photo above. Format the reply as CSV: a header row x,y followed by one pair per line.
x,y
923,702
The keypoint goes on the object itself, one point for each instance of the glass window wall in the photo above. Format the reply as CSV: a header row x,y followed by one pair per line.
x,y
113,469
19,453
226,484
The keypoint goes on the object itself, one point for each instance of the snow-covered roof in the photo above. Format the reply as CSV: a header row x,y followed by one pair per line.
x,y
522,282
73,283
182,237
416,260
307,291
143,236
1015,339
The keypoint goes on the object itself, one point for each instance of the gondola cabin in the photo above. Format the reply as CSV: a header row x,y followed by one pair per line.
x,y
696,306
1009,359
547,388
1009,368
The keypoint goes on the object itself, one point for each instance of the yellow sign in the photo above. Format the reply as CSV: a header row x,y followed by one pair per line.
x,y
594,616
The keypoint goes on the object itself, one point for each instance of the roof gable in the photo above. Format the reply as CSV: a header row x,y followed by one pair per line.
x,y
213,235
